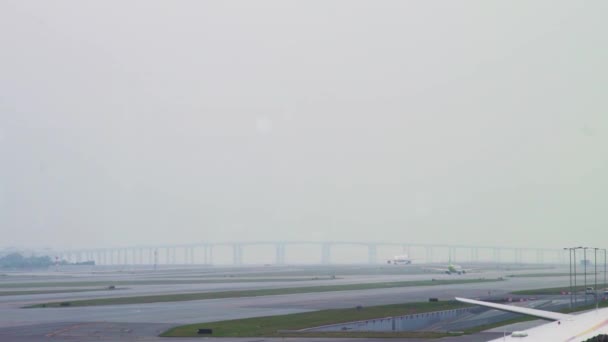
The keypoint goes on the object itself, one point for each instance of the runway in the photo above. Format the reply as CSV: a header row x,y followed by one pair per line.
x,y
145,320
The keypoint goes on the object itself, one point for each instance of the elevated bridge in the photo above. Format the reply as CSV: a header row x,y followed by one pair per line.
x,y
203,253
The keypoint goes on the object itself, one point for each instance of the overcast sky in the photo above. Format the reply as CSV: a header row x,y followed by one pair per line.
x,y
147,122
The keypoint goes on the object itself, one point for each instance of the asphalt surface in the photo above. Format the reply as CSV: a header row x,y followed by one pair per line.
x,y
146,321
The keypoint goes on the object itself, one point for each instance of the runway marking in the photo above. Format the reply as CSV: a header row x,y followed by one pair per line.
x,y
61,331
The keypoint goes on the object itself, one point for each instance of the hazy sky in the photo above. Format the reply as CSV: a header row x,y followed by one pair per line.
x,y
145,122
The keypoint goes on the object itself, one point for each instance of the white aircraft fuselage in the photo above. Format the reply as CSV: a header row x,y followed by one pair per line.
x,y
400,260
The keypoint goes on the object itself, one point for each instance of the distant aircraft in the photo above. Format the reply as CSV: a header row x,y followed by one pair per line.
x,y
400,260
451,268
571,328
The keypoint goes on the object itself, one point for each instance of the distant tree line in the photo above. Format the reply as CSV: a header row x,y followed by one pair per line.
x,y
16,260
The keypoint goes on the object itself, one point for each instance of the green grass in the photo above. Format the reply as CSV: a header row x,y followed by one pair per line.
x,y
254,293
342,271
556,290
270,325
485,327
34,292
153,282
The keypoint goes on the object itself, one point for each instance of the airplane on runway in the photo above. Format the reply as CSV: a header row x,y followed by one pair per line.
x,y
400,260
565,327
451,269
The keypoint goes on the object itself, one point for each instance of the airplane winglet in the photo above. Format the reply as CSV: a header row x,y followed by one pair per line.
x,y
548,315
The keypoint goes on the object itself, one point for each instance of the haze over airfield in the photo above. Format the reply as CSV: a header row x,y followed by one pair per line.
x,y
145,122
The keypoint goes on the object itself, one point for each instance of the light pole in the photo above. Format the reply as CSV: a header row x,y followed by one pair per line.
x,y
570,272
585,268
574,269
604,284
595,278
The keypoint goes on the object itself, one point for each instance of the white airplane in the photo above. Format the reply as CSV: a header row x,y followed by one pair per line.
x,y
400,260
567,328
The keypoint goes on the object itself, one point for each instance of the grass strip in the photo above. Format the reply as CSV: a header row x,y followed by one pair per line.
x,y
342,271
269,326
35,292
253,293
154,282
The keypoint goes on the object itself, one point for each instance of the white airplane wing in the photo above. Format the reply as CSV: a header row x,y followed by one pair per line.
x,y
548,315
568,328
